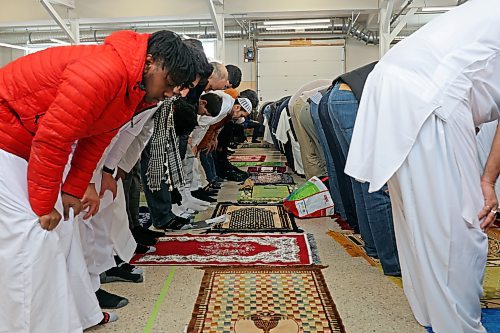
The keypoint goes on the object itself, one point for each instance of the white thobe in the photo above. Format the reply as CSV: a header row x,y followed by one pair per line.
x,y
415,129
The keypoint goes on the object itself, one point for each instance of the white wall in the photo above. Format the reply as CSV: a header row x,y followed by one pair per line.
x,y
8,54
359,54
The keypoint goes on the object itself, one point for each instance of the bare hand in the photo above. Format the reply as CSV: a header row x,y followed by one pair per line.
x,y
488,213
120,174
108,182
91,201
68,202
194,149
51,220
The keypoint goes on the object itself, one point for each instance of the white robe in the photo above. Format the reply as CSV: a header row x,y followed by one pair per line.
x,y
415,129
37,291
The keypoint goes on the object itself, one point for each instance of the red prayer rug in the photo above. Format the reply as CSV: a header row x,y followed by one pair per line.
x,y
232,250
247,158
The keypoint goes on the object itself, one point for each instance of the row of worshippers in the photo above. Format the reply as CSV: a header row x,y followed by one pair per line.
x,y
74,122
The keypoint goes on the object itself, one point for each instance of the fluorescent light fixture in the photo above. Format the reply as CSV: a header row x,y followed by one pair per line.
x,y
298,27
436,9
285,22
58,41
11,46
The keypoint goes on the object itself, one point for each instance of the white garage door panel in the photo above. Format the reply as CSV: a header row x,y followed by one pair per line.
x,y
301,53
283,70
300,68
289,83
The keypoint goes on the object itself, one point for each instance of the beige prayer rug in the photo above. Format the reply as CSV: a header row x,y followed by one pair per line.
x,y
270,300
253,218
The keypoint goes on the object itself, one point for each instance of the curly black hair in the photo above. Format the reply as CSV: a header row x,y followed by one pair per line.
x,y
234,75
175,56
214,103
185,117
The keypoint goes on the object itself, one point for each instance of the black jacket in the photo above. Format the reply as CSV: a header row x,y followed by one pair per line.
x,y
356,79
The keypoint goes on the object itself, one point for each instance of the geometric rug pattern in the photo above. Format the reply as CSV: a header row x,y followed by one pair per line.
x,y
247,158
271,299
232,249
252,218
266,169
269,163
266,193
265,178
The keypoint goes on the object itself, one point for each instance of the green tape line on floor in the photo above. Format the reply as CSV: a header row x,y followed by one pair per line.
x,y
159,301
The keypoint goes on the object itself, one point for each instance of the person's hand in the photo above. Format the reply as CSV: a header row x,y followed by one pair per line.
x,y
91,201
50,220
68,202
108,182
120,174
213,145
488,213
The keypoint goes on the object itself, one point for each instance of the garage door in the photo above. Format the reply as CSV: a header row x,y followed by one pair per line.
x,y
281,71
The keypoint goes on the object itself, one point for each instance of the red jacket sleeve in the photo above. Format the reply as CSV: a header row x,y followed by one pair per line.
x,y
86,88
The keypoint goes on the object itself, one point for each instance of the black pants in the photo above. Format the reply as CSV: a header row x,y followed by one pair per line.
x,y
132,189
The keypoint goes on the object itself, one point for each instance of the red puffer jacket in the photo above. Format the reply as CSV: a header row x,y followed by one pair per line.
x,y
52,98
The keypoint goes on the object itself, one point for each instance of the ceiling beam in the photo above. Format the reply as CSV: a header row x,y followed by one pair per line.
x,y
216,19
60,22
402,22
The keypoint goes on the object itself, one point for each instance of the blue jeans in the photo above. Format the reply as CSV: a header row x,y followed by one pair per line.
x,y
333,147
373,209
159,202
332,176
208,164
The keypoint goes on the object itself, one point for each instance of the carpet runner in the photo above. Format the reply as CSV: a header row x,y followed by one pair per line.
x,y
253,218
277,169
234,249
265,178
265,194
249,299
247,158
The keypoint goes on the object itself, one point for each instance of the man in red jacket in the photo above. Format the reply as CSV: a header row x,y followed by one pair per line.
x,y
48,101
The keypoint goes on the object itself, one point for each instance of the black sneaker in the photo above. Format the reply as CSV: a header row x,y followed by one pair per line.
x,y
143,238
143,249
151,233
115,274
110,301
128,267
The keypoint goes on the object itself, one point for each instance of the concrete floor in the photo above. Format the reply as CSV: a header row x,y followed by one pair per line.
x,y
366,300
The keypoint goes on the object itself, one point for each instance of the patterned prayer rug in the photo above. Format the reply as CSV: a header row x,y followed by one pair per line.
x,y
253,218
353,244
265,194
271,178
247,158
246,164
491,283
255,145
249,299
266,169
234,249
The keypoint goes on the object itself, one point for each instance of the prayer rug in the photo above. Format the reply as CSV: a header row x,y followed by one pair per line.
x,y
247,158
246,164
271,299
271,178
265,193
491,283
234,249
353,244
255,145
266,169
253,218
